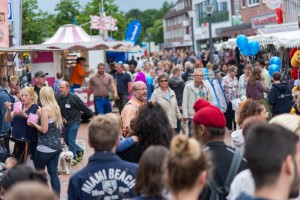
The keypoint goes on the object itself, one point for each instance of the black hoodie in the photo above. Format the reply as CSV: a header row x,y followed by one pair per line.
x,y
280,98
177,85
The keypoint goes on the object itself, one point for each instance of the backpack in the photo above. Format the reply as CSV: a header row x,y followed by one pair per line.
x,y
12,99
221,192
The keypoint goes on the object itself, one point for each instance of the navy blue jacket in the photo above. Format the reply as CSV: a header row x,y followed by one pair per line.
x,y
280,97
106,176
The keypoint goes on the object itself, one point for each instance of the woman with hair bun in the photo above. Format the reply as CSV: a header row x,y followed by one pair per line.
x,y
186,168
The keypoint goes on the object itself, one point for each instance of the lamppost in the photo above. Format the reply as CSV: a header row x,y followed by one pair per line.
x,y
191,15
209,8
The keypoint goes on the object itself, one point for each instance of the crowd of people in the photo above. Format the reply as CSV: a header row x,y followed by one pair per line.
x,y
169,139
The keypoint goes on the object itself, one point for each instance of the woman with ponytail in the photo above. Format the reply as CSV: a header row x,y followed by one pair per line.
x,y
49,146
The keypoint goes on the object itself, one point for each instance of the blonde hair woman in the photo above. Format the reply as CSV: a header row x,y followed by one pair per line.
x,y
186,168
49,146
20,130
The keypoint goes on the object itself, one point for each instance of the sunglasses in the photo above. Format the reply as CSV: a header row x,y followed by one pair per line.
x,y
164,81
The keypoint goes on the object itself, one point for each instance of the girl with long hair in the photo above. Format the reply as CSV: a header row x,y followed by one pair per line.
x,y
256,88
243,81
20,127
49,145
152,127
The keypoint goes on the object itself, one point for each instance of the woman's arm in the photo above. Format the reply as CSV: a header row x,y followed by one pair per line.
x,y
44,121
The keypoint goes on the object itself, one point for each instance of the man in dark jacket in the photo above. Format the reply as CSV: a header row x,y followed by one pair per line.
x,y
272,153
280,96
71,107
106,176
177,85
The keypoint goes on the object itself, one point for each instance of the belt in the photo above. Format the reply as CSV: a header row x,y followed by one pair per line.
x,y
102,97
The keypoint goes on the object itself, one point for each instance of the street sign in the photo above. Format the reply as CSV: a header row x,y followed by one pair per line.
x,y
10,11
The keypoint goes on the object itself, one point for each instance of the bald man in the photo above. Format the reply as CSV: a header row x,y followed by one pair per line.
x,y
71,107
139,97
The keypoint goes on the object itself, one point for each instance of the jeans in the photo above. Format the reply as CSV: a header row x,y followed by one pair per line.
x,y
70,138
121,102
41,160
102,105
74,87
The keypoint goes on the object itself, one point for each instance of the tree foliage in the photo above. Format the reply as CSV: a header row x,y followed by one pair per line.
x,y
38,25
33,29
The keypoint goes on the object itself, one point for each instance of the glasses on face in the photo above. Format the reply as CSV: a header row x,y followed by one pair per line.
x,y
198,75
144,89
164,81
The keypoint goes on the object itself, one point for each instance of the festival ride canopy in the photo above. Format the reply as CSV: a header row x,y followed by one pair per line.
x,y
72,37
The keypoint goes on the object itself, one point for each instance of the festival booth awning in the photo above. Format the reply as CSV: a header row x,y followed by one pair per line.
x,y
72,37
288,39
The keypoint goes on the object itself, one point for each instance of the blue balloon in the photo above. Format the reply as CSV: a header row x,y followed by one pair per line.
x,y
273,68
253,47
242,41
245,52
275,60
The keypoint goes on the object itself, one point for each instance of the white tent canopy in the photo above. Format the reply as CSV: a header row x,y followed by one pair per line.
x,y
288,39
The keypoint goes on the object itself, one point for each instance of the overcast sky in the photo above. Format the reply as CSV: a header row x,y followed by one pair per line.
x,y
124,5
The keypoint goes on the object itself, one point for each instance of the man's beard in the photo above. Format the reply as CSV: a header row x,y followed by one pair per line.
x,y
294,191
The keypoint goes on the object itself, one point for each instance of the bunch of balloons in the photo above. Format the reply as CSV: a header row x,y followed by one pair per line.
x,y
275,64
247,48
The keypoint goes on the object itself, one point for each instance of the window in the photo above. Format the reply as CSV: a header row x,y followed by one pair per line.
x,y
253,3
243,3
220,13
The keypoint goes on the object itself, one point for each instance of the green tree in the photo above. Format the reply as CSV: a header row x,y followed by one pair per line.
x,y
157,31
33,19
66,10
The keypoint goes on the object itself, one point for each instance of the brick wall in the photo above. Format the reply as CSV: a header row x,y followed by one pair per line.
x,y
248,12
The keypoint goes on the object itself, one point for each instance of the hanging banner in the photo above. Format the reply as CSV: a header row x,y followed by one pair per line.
x,y
133,31
4,34
104,23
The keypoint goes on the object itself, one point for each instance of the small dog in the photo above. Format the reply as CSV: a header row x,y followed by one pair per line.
x,y
64,162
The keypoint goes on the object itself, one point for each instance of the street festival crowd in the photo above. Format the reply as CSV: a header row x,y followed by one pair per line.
x,y
167,140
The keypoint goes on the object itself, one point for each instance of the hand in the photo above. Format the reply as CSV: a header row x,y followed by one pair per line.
x,y
116,97
135,138
31,124
88,102
184,120
8,105
22,114
64,120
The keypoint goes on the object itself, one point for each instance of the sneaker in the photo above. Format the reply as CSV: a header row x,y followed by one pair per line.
x,y
74,162
80,156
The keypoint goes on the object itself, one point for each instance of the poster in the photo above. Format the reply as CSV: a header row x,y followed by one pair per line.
x,y
4,34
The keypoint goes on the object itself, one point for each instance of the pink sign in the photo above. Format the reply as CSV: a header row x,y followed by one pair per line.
x,y
4,34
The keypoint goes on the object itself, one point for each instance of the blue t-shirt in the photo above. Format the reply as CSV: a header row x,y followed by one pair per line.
x,y
244,196
21,129
122,82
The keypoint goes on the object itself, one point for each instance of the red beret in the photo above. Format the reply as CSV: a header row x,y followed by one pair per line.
x,y
208,115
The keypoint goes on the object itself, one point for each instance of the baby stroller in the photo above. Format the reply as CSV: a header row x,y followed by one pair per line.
x,y
13,147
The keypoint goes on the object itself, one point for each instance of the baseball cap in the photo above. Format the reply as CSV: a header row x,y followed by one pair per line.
x,y
39,74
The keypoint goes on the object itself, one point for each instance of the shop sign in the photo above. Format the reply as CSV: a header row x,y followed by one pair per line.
x,y
263,20
4,34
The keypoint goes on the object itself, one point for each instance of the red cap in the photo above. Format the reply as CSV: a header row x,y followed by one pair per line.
x,y
208,115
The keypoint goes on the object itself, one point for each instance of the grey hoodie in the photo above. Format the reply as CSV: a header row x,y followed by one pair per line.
x,y
177,85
